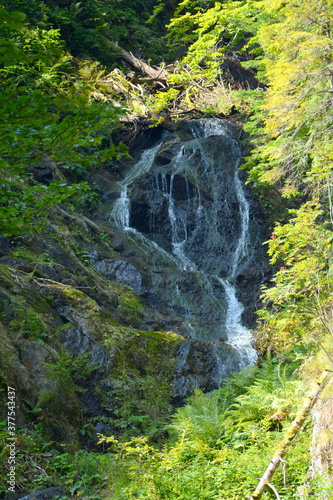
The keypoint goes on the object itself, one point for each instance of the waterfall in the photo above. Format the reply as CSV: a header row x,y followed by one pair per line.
x,y
244,209
189,216
238,335
120,213
121,210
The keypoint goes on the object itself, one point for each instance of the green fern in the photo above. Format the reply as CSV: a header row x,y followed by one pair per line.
x,y
269,402
201,419
263,400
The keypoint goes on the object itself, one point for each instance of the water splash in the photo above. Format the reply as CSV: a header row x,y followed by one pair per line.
x,y
244,208
208,127
238,335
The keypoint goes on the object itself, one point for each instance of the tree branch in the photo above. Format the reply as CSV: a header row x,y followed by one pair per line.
x,y
275,491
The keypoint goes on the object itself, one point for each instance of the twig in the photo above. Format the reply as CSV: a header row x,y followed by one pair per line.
x,y
52,282
284,470
274,490
15,272
325,404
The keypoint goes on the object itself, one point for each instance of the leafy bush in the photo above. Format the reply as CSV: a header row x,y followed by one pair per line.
x,y
44,118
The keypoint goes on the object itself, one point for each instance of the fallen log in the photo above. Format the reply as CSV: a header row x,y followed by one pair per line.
x,y
157,74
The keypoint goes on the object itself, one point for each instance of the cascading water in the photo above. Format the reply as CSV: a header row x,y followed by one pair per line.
x,y
185,209
239,336
121,210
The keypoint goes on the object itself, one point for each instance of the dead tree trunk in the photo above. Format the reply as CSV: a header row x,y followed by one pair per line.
x,y
156,74
290,434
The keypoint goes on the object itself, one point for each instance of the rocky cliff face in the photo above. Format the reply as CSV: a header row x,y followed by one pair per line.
x,y
72,334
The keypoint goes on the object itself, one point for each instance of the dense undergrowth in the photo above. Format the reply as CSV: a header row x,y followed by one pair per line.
x,y
219,443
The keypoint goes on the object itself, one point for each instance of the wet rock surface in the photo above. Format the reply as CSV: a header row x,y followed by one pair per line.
x,y
119,271
203,364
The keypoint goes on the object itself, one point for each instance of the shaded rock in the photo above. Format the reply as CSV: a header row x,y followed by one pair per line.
x,y
120,271
238,76
200,229
202,365
4,244
88,323
47,494
18,264
41,173
15,375
101,428
187,198
198,175
33,356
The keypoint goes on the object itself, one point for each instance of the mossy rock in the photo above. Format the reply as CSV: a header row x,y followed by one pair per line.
x,y
15,374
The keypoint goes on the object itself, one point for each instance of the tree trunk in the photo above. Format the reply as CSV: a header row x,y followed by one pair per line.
x,y
157,74
290,434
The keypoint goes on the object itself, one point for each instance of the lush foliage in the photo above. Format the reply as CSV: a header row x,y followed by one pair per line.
x,y
94,29
40,465
222,442
296,156
49,120
302,292
56,118
290,47
210,29
142,380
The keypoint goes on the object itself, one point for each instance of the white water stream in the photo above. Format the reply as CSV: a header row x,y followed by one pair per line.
x,y
238,335
121,210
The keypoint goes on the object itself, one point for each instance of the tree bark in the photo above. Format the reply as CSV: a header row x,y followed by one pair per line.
x,y
157,74
293,430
